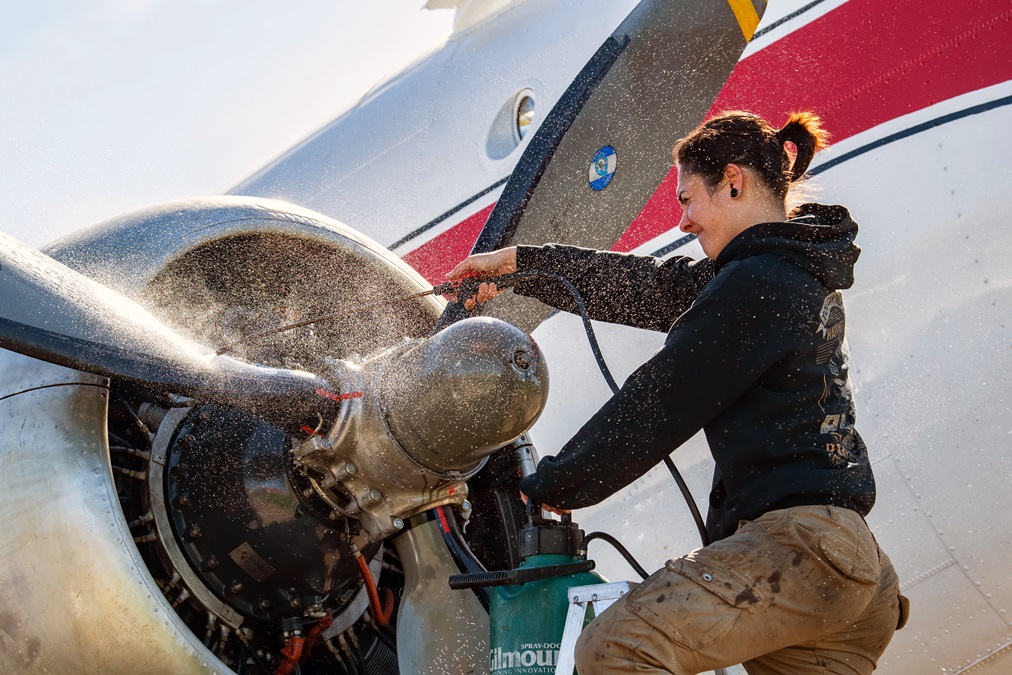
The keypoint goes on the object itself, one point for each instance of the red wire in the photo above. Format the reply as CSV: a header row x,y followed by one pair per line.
x,y
292,653
315,632
380,614
442,520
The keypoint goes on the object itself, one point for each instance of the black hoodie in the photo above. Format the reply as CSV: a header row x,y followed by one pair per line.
x,y
755,356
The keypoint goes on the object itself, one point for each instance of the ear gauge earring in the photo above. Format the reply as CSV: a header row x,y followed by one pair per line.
x,y
734,192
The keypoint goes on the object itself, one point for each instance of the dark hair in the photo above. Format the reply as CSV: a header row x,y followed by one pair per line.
x,y
737,137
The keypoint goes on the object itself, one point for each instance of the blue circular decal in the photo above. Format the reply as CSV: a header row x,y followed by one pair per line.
x,y
602,168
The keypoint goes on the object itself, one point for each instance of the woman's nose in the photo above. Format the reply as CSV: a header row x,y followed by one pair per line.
x,y
684,224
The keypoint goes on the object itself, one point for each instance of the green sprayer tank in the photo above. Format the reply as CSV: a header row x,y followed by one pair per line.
x,y
528,605
527,620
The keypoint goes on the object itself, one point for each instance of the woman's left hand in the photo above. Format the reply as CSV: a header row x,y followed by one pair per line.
x,y
483,265
494,264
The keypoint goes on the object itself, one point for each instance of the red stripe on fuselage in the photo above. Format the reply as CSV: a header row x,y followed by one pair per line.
x,y
436,257
859,65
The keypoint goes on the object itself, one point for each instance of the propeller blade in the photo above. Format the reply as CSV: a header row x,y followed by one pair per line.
x,y
52,313
605,146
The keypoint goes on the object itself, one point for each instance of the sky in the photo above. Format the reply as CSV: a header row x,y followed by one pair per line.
x,y
111,105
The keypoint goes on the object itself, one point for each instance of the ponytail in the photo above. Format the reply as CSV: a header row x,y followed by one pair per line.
x,y
804,130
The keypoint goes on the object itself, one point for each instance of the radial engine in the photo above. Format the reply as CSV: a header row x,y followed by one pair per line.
x,y
292,526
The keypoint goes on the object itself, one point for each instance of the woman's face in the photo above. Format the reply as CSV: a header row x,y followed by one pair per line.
x,y
705,212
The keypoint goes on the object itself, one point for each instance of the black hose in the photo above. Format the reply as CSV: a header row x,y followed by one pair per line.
x,y
138,422
240,659
604,536
338,657
704,536
359,656
382,636
344,667
257,659
461,552
119,440
588,328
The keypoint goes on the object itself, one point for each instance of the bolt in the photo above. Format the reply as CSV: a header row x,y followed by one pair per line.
x,y
398,523
375,496
522,359
203,417
183,500
179,471
195,532
296,602
188,439
212,563
350,469
465,506
236,587
265,604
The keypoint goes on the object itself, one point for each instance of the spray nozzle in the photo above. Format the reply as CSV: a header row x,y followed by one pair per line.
x,y
468,286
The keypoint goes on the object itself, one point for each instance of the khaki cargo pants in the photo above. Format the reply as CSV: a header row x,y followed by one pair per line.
x,y
796,591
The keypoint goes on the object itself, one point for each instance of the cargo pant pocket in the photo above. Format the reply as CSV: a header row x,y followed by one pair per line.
x,y
851,549
693,603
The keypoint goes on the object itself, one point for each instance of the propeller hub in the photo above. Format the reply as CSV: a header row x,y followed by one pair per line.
x,y
420,418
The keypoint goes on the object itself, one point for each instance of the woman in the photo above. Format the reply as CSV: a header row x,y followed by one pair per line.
x,y
755,355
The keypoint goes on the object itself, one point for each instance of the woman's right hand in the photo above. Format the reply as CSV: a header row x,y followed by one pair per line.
x,y
483,265
546,507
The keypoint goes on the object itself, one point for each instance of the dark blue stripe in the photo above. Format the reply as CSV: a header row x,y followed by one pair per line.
x,y
785,19
437,220
677,243
906,133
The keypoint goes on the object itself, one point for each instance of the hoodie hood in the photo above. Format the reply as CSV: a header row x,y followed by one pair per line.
x,y
817,238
